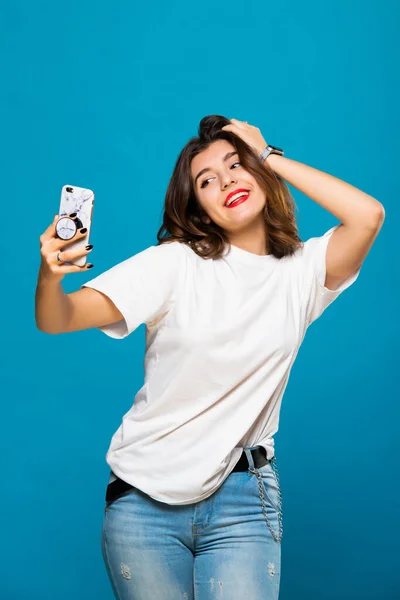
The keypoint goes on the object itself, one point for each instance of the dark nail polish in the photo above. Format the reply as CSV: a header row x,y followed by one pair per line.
x,y
73,214
90,266
89,247
84,230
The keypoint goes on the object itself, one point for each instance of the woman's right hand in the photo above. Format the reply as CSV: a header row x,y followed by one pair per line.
x,y
51,245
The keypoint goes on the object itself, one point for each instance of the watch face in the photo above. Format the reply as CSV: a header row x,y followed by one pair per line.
x,y
65,228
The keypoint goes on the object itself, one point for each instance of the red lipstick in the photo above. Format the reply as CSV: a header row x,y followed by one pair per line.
x,y
236,192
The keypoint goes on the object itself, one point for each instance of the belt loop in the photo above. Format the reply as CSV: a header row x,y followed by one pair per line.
x,y
249,458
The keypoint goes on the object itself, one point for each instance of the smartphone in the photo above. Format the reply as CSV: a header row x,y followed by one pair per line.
x,y
78,200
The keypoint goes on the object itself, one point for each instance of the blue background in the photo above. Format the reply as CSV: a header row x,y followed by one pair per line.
x,y
105,96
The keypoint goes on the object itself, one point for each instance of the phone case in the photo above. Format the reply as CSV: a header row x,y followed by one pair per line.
x,y
77,200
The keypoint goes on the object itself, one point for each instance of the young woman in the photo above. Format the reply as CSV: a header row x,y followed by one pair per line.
x,y
193,506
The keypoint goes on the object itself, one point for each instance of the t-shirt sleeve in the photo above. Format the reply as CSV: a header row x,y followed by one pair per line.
x,y
142,287
315,296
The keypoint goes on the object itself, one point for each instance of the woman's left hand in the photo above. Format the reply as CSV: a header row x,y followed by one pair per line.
x,y
249,134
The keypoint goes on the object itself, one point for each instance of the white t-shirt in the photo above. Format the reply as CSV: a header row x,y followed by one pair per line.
x,y
221,338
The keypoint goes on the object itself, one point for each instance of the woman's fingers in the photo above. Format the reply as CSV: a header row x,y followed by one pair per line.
x,y
64,269
51,246
70,255
50,239
55,271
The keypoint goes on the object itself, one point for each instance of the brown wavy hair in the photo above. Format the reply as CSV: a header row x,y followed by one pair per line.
x,y
183,218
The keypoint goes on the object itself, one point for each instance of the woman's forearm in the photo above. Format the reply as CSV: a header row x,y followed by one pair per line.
x,y
349,204
52,305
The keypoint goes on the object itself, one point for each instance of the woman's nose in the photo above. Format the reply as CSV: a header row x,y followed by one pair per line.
x,y
228,182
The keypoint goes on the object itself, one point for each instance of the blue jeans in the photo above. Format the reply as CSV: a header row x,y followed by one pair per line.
x,y
219,547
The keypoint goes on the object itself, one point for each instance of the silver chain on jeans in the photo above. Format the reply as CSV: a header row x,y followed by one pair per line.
x,y
261,488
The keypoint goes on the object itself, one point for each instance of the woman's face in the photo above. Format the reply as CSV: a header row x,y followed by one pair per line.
x,y
225,175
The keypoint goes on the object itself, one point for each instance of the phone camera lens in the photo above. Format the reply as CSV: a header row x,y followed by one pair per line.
x,y
69,189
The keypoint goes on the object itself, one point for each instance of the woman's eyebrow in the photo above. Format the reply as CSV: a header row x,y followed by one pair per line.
x,y
226,157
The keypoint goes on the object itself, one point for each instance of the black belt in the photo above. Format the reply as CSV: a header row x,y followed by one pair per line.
x,y
118,487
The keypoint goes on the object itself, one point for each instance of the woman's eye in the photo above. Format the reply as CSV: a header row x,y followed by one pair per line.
x,y
205,182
